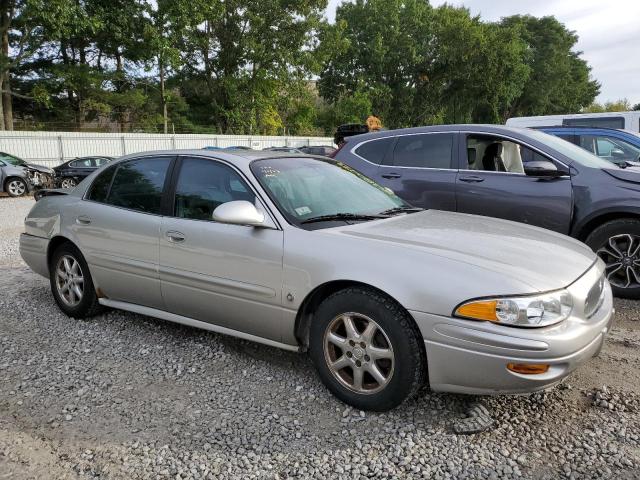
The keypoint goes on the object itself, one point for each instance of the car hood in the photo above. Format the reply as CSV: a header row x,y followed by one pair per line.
x,y
629,174
543,259
39,168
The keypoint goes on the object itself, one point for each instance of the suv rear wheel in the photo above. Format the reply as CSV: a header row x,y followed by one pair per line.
x,y
617,243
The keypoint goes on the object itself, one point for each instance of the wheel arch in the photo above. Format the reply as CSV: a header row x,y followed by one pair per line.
x,y
54,243
582,231
309,305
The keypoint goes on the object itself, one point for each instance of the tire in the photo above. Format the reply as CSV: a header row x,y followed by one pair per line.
x,y
396,341
618,243
68,182
16,187
67,258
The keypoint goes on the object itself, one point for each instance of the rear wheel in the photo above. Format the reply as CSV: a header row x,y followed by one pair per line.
x,y
617,243
367,349
71,283
16,187
68,183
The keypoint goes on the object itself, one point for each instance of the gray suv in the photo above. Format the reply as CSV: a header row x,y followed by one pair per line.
x,y
516,174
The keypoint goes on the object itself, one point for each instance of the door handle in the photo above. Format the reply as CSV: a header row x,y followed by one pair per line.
x,y
175,237
83,220
391,175
471,179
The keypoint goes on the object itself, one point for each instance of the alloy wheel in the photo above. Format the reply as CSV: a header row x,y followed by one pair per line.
x,y
69,280
68,183
621,254
17,188
358,353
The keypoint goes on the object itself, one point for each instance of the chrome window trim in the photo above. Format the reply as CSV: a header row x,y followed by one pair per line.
x,y
358,145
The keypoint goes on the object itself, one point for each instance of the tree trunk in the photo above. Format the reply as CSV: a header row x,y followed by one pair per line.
x,y
6,116
7,103
1,109
163,96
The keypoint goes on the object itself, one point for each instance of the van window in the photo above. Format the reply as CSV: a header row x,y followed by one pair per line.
x,y
601,122
432,150
375,150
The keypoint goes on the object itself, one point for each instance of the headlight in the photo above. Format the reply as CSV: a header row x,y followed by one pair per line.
x,y
527,311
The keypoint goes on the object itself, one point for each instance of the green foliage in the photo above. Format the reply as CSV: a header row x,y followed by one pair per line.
x,y
622,105
276,66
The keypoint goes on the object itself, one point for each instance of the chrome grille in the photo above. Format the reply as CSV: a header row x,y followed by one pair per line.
x,y
595,297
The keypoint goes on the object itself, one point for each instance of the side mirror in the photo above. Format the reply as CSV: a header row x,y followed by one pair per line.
x,y
617,153
239,212
542,168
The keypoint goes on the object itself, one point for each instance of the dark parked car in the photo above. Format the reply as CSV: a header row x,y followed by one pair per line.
x,y
70,173
323,150
617,146
517,174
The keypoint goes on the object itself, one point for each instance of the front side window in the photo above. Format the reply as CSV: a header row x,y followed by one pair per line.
x,y
99,161
204,184
138,184
82,163
305,188
609,147
424,151
496,154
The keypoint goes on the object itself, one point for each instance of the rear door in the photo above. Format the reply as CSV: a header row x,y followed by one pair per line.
x,y
421,169
494,184
117,227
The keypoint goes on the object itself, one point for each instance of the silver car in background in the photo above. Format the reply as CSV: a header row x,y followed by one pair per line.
x,y
307,254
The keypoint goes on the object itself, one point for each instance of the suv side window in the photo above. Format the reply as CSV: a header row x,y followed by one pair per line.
x,y
375,150
496,154
431,150
99,189
204,184
138,184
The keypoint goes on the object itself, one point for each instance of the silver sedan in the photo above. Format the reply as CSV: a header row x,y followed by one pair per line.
x,y
306,254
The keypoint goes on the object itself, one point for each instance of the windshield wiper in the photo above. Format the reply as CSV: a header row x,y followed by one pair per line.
x,y
342,216
391,211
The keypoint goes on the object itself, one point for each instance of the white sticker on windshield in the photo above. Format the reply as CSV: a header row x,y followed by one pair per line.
x,y
303,210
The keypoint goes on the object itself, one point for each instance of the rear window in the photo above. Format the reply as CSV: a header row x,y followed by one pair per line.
x,y
100,187
375,150
432,150
138,184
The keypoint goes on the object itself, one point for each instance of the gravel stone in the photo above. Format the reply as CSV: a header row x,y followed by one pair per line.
x,y
123,396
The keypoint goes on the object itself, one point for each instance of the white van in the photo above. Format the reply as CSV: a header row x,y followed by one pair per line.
x,y
617,120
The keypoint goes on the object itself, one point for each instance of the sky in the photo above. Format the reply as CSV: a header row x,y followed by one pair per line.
x,y
609,35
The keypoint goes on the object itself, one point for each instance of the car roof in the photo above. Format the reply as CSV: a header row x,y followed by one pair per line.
x,y
483,128
237,157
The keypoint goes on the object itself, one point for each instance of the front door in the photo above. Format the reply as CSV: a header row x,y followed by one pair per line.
x,y
228,275
494,184
117,228
421,169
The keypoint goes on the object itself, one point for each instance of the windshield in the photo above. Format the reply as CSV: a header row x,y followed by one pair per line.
x,y
305,188
570,150
10,159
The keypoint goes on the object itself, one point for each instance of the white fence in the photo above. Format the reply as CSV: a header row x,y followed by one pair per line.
x,y
53,148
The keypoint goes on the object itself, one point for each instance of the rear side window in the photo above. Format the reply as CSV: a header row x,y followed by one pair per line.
x,y
100,187
434,150
375,150
138,184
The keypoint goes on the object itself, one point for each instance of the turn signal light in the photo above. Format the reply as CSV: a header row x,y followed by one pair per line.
x,y
482,310
528,368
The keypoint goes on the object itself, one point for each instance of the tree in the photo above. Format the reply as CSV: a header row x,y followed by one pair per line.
x,y
560,80
622,105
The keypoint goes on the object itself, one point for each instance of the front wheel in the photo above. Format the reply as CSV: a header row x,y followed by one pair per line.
x,y
617,243
16,187
367,349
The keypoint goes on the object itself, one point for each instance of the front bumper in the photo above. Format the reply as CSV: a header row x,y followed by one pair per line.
x,y
465,356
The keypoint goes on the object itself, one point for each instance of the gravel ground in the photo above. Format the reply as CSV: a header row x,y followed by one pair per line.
x,y
127,396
